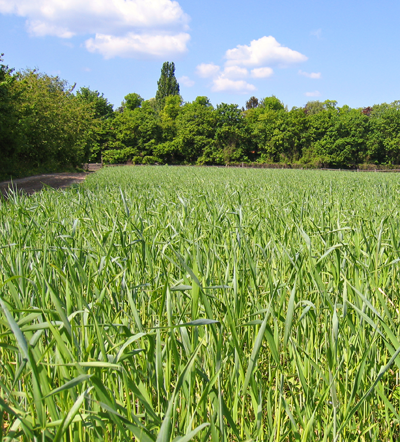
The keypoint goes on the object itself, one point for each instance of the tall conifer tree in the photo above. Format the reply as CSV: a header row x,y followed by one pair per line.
x,y
167,84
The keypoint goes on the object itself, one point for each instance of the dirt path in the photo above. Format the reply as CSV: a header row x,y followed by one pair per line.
x,y
36,183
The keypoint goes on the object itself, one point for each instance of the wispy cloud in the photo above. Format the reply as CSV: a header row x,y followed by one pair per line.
x,y
314,75
186,81
127,28
317,33
68,44
313,94
223,84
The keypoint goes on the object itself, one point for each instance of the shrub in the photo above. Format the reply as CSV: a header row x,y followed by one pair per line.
x,y
152,160
119,156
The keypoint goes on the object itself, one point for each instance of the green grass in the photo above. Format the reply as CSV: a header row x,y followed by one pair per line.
x,y
176,304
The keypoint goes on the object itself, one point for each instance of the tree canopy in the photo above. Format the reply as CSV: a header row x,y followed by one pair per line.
x,y
132,101
44,125
167,84
102,108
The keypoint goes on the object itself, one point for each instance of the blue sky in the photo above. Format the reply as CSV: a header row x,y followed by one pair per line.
x,y
346,51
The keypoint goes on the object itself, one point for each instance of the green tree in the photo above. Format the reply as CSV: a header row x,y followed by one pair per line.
x,y
383,146
194,139
280,136
133,133
338,137
54,125
231,134
314,107
167,84
102,111
9,136
272,103
132,101
101,106
168,116
252,103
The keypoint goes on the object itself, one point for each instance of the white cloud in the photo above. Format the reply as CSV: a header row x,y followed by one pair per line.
x,y
314,75
227,80
313,94
261,72
118,24
206,70
235,72
138,45
54,17
186,81
253,57
223,84
40,28
265,50
317,33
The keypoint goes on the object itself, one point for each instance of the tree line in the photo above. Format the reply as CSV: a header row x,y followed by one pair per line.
x,y
46,125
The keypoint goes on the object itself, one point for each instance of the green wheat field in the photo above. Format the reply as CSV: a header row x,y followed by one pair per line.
x,y
207,304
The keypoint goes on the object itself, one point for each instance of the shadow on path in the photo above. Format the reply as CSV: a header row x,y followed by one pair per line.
x,y
36,183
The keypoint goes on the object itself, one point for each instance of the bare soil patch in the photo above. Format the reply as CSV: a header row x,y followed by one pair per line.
x,y
36,183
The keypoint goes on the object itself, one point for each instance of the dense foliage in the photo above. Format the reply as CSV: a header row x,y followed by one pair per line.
x,y
318,135
162,304
45,124
8,118
167,84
